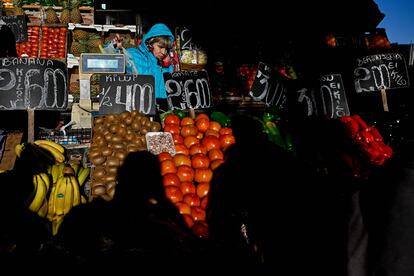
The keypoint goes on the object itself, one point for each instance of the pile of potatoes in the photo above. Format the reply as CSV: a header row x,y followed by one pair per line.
x,y
114,136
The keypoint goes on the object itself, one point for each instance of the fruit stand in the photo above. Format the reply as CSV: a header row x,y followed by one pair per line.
x,y
81,142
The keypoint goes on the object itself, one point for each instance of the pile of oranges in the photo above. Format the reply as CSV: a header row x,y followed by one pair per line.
x,y
199,145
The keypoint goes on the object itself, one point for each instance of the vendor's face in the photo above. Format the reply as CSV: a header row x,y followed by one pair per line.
x,y
159,52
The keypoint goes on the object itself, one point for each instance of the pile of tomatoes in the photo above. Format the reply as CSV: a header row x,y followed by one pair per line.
x,y
200,144
43,42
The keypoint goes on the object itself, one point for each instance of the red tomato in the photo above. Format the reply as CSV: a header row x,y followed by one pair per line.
x,y
214,126
170,179
187,187
198,148
191,140
225,130
215,154
204,202
192,200
200,229
181,148
203,175
202,124
173,193
168,166
164,156
198,213
188,130
227,140
187,121
188,219
202,115
202,189
178,139
216,163
172,128
172,119
183,208
199,161
211,142
185,173
181,159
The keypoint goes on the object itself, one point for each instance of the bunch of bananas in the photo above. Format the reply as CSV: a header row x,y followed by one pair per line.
x,y
57,191
55,149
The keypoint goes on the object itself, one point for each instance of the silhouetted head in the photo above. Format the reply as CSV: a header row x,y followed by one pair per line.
x,y
139,179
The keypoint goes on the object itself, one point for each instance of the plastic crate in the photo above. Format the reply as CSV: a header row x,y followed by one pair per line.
x,y
71,136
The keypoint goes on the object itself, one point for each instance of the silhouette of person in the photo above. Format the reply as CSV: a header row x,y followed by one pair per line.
x,y
140,227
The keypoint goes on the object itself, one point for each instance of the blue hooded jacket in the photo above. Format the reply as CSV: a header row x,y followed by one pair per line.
x,y
141,61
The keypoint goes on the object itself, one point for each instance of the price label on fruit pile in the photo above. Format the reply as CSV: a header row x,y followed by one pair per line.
x,y
121,92
33,83
186,90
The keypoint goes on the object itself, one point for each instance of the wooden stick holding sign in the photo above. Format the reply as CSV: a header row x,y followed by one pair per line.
x,y
384,100
30,125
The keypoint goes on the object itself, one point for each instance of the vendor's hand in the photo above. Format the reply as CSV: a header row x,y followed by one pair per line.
x,y
117,41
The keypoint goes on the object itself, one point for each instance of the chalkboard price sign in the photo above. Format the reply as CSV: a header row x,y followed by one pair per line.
x,y
332,96
17,23
380,72
186,39
121,92
33,83
267,88
188,90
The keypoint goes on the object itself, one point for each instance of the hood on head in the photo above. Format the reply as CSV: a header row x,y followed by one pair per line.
x,y
159,29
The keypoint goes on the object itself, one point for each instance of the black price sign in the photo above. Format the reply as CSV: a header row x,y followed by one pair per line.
x,y
33,83
120,92
17,23
188,90
267,87
380,72
332,96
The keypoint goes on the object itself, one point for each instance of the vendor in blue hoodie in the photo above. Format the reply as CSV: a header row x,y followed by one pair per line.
x,y
151,57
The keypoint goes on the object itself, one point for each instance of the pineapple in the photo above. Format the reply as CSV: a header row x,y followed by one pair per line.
x,y
51,15
79,35
94,41
17,7
78,48
75,14
65,15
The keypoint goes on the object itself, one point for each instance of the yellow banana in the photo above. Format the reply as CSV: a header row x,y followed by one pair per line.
x,y
43,210
75,167
68,195
57,146
46,179
83,175
60,196
18,149
59,157
83,199
51,210
57,221
76,192
40,194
